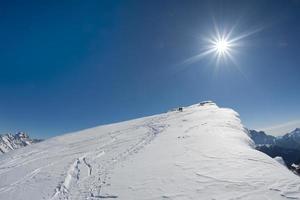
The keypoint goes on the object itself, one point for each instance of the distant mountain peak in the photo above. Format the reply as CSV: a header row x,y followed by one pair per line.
x,y
261,138
293,134
296,131
10,141
286,146
22,135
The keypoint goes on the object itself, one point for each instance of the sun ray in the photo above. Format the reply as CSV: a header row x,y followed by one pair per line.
x,y
199,56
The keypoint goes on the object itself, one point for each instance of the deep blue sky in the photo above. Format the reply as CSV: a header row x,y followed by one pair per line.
x,y
70,65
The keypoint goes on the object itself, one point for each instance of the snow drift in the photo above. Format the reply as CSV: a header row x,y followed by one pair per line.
x,y
202,152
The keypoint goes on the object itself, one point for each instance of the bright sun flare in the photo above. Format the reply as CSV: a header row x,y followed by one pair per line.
x,y
222,46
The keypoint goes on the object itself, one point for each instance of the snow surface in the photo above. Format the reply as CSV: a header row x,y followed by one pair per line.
x,y
202,152
280,160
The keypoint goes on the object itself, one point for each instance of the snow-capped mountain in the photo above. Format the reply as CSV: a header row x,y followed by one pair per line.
x,y
197,152
10,142
290,140
287,146
295,133
261,138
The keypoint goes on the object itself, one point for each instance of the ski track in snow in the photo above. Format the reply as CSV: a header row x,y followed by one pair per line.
x,y
200,153
88,186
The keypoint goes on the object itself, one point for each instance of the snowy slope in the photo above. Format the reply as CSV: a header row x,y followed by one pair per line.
x,y
200,153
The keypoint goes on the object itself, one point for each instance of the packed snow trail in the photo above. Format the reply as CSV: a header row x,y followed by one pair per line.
x,y
202,152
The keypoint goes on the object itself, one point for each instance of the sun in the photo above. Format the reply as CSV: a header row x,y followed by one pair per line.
x,y
222,46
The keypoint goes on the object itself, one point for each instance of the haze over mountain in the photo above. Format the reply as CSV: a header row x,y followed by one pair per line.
x,y
281,129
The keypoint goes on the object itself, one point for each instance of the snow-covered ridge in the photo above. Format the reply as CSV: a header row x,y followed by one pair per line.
x,y
10,142
295,133
197,152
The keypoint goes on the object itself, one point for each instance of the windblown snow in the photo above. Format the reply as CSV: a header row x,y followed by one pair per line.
x,y
202,152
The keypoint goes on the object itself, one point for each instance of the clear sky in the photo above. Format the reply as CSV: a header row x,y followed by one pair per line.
x,y
70,65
